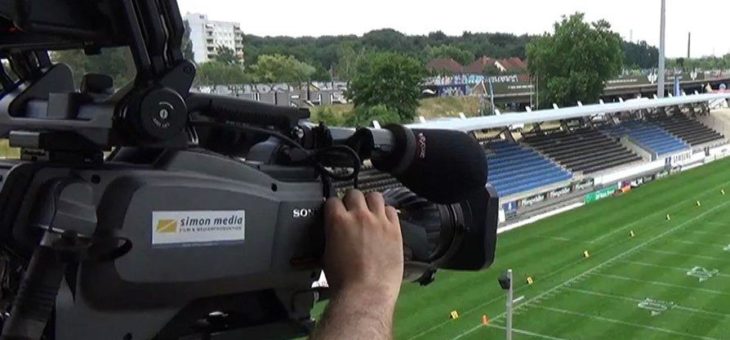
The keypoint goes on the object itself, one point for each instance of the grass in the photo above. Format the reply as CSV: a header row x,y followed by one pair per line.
x,y
448,107
599,297
339,110
429,108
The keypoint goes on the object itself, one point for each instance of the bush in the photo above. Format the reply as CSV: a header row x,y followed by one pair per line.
x,y
327,116
364,116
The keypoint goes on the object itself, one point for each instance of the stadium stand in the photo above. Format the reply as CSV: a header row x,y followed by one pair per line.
x,y
649,136
691,131
535,162
514,168
584,150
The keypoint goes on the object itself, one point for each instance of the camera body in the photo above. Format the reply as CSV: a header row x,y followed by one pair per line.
x,y
192,245
238,240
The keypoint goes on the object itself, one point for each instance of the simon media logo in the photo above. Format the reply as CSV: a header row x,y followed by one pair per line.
x,y
200,226
166,226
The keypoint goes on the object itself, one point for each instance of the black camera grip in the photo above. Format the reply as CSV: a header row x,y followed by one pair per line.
x,y
245,111
36,296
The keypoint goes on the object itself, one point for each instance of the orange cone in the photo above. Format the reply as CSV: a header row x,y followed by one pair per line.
x,y
485,320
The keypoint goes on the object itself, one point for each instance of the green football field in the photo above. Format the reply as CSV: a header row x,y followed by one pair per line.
x,y
670,281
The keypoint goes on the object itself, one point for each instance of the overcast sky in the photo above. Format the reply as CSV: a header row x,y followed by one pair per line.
x,y
637,19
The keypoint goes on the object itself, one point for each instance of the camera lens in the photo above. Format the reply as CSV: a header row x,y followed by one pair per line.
x,y
428,229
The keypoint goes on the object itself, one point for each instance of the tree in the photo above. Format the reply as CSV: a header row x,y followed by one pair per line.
x,y
640,55
226,55
704,63
680,63
320,74
348,57
328,51
278,68
389,40
574,62
449,51
215,73
388,79
438,37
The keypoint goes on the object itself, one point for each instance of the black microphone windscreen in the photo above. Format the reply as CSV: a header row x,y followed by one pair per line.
x,y
447,166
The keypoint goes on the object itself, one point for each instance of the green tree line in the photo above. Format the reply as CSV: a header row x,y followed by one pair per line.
x,y
319,58
339,53
704,63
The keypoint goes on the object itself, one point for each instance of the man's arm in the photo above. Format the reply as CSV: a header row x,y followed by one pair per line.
x,y
356,315
363,262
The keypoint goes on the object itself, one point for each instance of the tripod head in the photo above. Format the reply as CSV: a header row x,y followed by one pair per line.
x,y
42,109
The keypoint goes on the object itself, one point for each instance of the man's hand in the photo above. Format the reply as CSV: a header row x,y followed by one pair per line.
x,y
364,250
363,263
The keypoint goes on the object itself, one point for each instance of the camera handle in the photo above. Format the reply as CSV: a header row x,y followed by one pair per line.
x,y
67,218
36,297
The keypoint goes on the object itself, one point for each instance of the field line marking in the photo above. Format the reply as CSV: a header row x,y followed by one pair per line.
x,y
590,292
524,332
710,244
706,257
558,238
645,264
717,224
468,311
637,325
561,239
671,207
704,232
626,298
664,284
610,261
496,322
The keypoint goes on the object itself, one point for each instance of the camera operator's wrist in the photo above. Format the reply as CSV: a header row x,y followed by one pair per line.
x,y
380,294
359,311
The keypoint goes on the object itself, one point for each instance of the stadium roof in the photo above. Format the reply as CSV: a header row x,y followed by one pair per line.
x,y
477,67
505,120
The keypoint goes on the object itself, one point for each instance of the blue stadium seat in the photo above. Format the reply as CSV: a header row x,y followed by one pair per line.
x,y
649,136
514,169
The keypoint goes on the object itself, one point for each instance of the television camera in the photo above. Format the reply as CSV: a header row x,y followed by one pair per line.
x,y
152,212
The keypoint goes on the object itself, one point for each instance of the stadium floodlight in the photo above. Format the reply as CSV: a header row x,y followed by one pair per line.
x,y
662,46
505,281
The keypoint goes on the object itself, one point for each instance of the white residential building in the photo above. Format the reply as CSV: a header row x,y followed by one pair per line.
x,y
207,35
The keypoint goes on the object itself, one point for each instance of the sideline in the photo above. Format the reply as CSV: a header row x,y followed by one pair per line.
x,y
538,217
